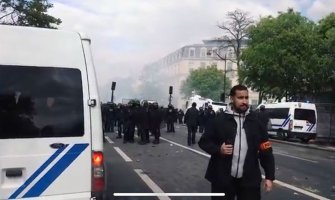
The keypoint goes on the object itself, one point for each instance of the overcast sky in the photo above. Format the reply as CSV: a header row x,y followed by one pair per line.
x,y
128,34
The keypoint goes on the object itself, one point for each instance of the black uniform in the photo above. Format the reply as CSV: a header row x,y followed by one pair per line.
x,y
170,118
144,123
156,118
180,116
191,119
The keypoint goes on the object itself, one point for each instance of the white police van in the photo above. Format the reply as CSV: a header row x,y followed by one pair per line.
x,y
51,144
292,120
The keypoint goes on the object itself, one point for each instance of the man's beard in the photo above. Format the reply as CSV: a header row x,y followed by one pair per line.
x,y
239,110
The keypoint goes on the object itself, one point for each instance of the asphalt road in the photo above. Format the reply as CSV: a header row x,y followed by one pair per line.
x,y
173,167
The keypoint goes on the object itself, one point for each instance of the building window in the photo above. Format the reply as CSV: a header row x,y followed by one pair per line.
x,y
214,51
203,52
192,52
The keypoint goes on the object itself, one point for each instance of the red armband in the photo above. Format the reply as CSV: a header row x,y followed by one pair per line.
x,y
265,145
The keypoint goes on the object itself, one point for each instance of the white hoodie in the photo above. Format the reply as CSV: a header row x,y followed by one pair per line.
x,y
240,144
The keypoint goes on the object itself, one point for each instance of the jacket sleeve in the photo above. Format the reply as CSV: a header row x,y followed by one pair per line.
x,y
208,142
265,154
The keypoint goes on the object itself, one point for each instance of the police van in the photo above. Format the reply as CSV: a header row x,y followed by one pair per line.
x,y
292,120
51,144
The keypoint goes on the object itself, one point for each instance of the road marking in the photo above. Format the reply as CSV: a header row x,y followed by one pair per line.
x,y
109,140
122,154
299,190
305,192
185,147
282,154
152,185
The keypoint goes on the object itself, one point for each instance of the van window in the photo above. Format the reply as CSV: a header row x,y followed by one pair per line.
x,y
37,102
277,113
305,114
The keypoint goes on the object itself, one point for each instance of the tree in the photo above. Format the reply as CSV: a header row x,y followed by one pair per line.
x,y
283,57
236,33
207,82
27,13
326,30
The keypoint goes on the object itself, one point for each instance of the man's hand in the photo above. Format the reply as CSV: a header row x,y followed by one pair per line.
x,y
226,149
268,184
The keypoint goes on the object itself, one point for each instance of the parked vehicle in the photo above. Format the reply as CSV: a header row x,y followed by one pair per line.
x,y
51,139
292,120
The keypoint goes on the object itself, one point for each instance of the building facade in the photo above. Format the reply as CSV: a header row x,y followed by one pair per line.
x,y
174,68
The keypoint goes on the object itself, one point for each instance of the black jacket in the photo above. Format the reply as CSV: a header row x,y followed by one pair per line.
x,y
191,117
223,129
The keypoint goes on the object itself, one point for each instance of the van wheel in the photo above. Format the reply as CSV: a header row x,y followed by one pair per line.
x,y
280,134
305,140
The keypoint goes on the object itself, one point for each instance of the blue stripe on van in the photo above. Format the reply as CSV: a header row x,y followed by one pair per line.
x,y
55,171
37,172
310,127
286,121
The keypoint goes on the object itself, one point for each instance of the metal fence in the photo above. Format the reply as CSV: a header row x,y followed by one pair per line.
x,y
326,122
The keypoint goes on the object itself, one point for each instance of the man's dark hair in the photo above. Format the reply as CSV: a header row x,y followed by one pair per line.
x,y
194,104
237,87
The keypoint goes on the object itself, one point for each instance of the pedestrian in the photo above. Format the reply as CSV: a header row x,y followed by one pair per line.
x,y
144,123
209,115
170,118
236,141
191,120
156,118
263,117
180,116
201,118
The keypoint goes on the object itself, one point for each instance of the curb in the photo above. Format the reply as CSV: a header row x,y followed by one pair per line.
x,y
330,149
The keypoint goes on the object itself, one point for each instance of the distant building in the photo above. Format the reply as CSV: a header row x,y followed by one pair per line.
x,y
174,68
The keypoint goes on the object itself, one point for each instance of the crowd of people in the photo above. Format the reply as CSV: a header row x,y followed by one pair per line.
x,y
236,139
149,118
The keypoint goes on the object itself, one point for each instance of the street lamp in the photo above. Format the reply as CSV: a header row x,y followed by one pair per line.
x,y
223,98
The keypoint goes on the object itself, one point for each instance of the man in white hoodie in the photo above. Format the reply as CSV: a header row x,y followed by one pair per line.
x,y
236,141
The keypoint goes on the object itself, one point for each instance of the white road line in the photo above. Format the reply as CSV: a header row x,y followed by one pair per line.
x,y
109,140
122,154
185,147
152,185
305,192
282,154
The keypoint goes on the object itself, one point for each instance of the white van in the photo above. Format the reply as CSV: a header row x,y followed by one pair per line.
x,y
51,139
292,120
217,105
200,101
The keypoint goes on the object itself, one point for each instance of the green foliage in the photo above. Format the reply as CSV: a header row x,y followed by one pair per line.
x,y
284,57
207,82
27,13
326,29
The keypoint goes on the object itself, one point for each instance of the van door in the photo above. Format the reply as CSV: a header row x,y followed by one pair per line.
x,y
45,147
304,120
